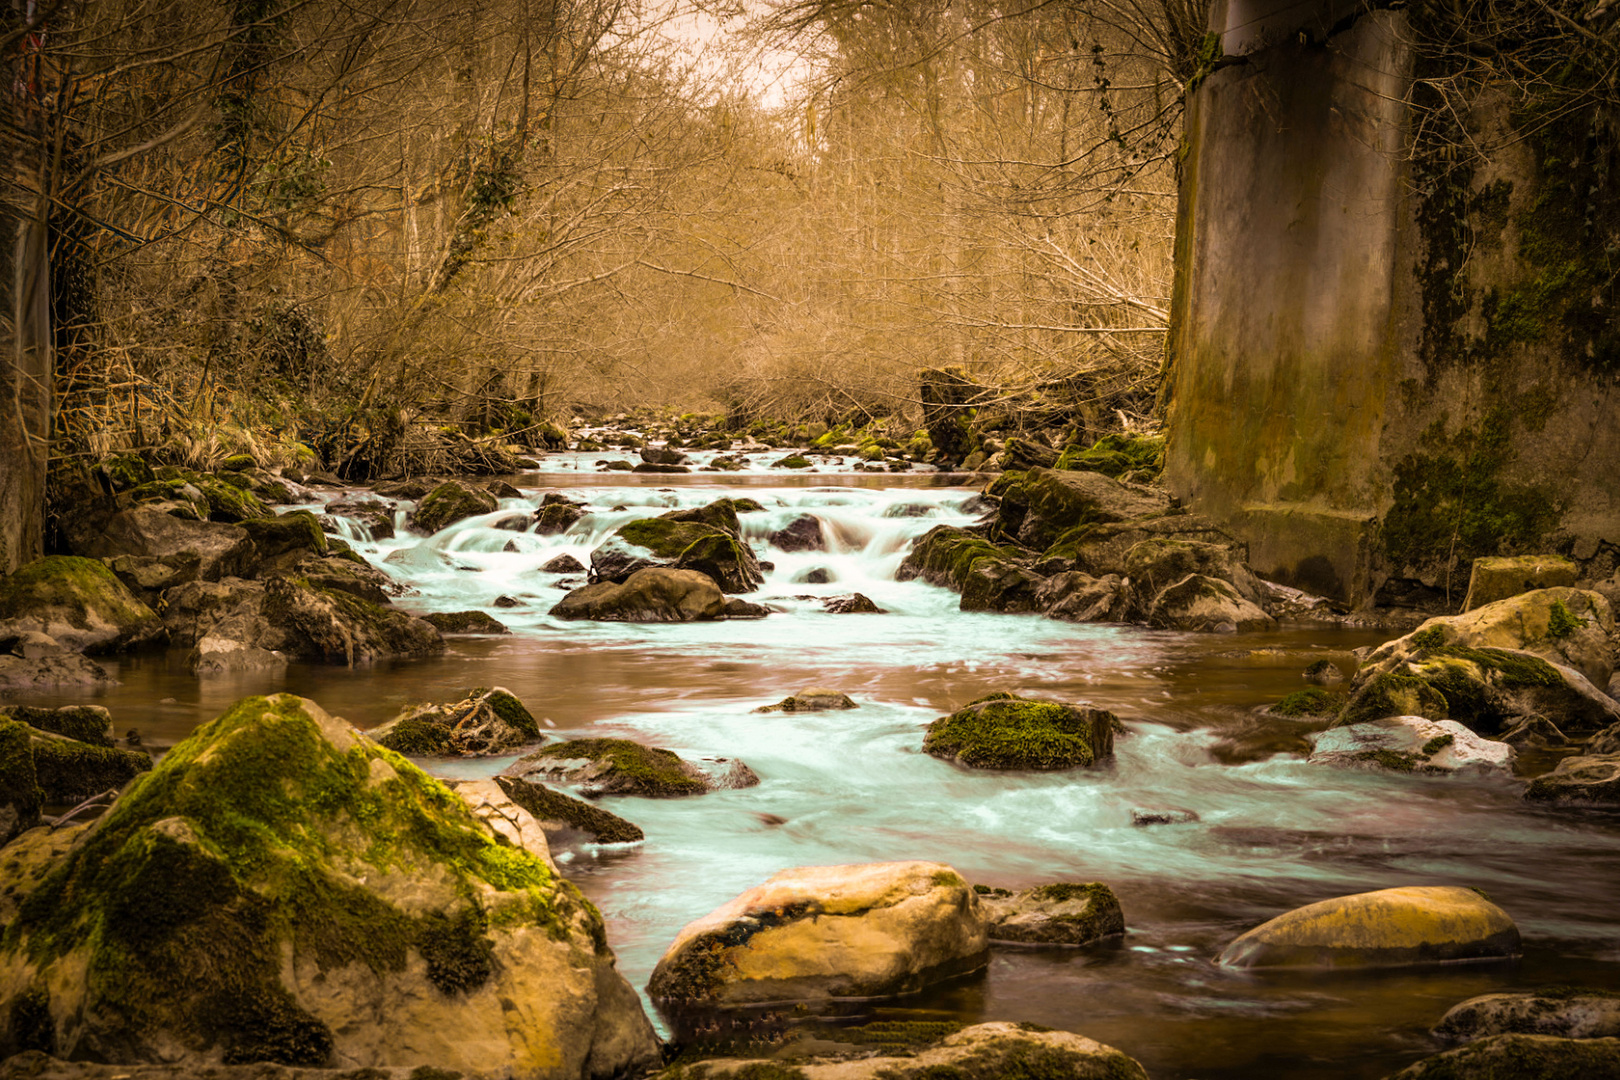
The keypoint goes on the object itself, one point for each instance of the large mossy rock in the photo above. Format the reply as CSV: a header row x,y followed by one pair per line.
x,y
1075,596
70,771
1002,731
1587,780
994,1051
1567,1012
279,889
1156,564
80,603
706,539
947,556
1061,913
652,594
1101,548
481,723
726,559
1039,506
87,723
1420,924
615,767
1520,1057
296,533
1565,626
450,502
337,627
1206,605
815,933
1488,689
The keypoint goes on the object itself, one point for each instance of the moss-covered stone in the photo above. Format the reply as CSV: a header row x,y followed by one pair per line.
x,y
1391,694
466,622
1139,457
615,767
792,461
1059,913
726,559
87,723
70,771
1005,732
1047,503
450,502
79,602
1520,1057
244,847
664,537
482,722
947,555
337,627
560,814
296,530
1309,702
20,796
229,503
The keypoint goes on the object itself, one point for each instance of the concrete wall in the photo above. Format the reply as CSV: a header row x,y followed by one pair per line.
x,y
1338,392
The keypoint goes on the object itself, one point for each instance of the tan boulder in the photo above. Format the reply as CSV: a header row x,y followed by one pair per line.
x,y
490,804
1494,579
1417,924
985,1050
823,932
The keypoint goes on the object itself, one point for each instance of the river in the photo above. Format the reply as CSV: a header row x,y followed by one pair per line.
x,y
1273,833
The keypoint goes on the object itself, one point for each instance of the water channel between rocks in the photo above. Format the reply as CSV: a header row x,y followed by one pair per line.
x,y
854,787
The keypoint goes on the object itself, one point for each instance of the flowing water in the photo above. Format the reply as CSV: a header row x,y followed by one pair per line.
x,y
853,786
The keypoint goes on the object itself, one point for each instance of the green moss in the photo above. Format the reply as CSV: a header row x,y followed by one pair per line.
x,y
460,958
1118,455
548,805
238,463
1390,759
1389,694
1013,734
298,530
1561,622
63,581
651,770
665,538
1512,671
1062,892
1437,744
229,503
1018,1062
792,461
70,771
947,555
19,784
418,736
1309,702
1432,638
1519,1057
31,1024
449,503
948,879
127,471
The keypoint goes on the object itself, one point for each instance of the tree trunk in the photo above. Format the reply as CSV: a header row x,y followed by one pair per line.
x,y
25,368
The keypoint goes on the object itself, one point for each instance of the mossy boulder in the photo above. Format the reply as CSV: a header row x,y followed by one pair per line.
x,y
295,531
1002,731
481,723
1061,913
792,461
1586,780
87,723
1044,504
705,539
818,933
278,889
450,502
996,585
994,1051
80,603
173,496
336,627
726,559
1413,744
229,503
947,555
1568,1012
1497,578
1074,596
70,771
1206,605
466,622
651,594
554,518
1520,1057
565,818
1563,625
1420,924
125,472
353,575
1136,457
614,767
20,796
1101,548
1155,564
803,533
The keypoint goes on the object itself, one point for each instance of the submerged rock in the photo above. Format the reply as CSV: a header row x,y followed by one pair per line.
x,y
1421,924
1587,780
1324,672
565,818
615,767
1520,1057
815,933
1413,744
814,699
79,603
484,722
654,594
280,890
1567,1012
1002,731
1062,913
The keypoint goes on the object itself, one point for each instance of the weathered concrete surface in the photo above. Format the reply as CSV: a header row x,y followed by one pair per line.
x,y
1370,376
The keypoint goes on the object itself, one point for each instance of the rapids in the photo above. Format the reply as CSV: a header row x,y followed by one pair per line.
x,y
853,786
